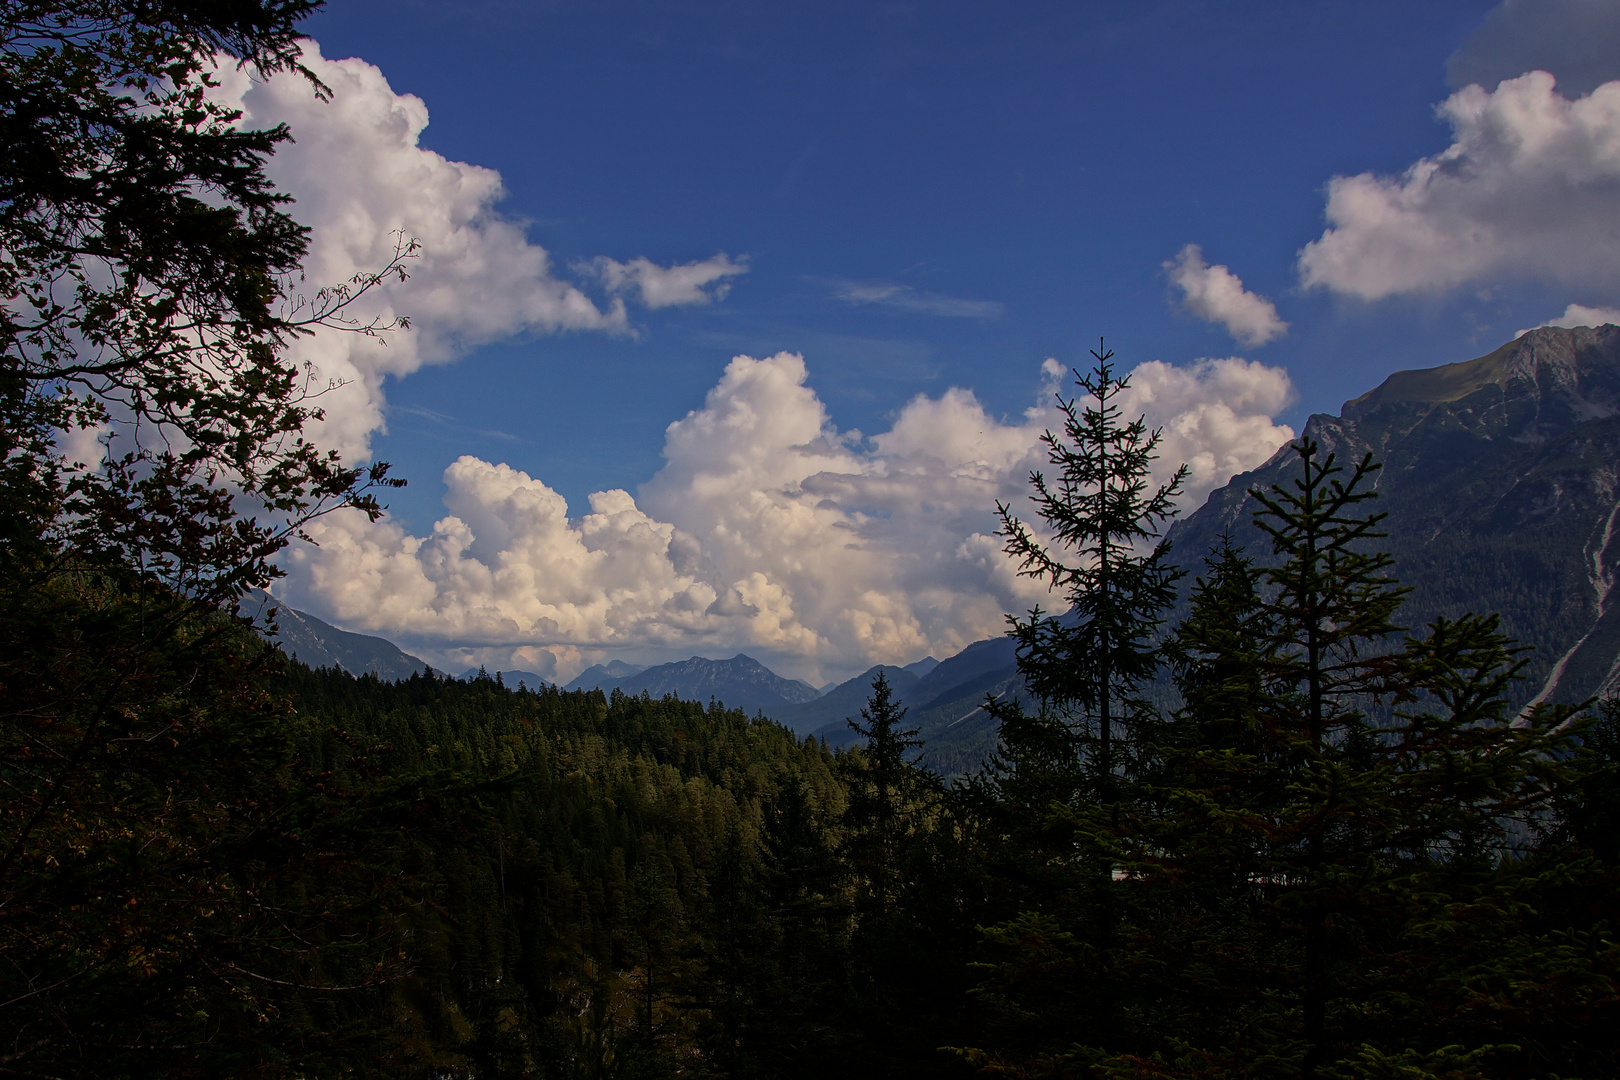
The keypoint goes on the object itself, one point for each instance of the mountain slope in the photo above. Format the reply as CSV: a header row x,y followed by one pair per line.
x,y
1500,481
843,702
322,645
946,705
604,676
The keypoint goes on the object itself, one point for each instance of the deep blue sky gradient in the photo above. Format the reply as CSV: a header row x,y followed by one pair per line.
x,y
1045,156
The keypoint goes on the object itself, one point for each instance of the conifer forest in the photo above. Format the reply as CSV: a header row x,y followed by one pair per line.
x,y
1243,821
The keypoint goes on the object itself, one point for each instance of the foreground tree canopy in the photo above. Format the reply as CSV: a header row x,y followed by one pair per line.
x,y
1254,830
159,834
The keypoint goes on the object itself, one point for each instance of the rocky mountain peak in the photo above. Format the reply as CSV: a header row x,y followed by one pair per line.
x,y
1540,383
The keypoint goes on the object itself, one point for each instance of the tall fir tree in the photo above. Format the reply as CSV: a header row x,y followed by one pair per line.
x,y
884,794
1101,510
1060,789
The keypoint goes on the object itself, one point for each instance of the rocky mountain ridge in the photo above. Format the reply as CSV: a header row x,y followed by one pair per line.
x,y
1500,481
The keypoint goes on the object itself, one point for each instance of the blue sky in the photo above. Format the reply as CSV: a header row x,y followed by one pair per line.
x,y
929,196
1045,157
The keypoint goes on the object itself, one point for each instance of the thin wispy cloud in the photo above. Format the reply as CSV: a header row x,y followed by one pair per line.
x,y
671,286
449,422
421,413
906,298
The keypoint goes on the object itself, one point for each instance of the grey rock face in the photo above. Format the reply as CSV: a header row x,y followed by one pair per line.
x,y
1500,481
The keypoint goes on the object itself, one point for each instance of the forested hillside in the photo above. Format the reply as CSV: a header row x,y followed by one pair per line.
x,y
630,886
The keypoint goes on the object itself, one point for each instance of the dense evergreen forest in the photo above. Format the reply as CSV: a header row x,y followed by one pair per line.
x,y
1339,851
651,887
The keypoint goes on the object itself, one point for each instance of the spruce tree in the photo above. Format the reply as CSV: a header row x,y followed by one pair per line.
x,y
1333,607
1060,791
894,806
884,788
1325,863
1101,511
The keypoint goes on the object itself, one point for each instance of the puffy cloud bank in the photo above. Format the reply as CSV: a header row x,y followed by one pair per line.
x,y
1528,188
360,180
1581,315
767,529
1216,294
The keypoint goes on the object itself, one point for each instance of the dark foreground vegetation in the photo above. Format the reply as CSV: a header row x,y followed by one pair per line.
x,y
1337,853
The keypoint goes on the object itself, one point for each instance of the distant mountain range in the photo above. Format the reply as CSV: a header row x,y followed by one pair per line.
x,y
944,701
604,676
1501,479
740,682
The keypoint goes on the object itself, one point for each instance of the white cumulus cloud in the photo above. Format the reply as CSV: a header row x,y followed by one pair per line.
x,y
669,286
1529,187
1215,416
361,179
1216,294
767,529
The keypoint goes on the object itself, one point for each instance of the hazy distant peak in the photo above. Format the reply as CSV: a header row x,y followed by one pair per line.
x,y
322,645
921,667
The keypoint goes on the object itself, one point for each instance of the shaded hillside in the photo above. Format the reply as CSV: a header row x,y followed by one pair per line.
x,y
842,702
586,806
1500,484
